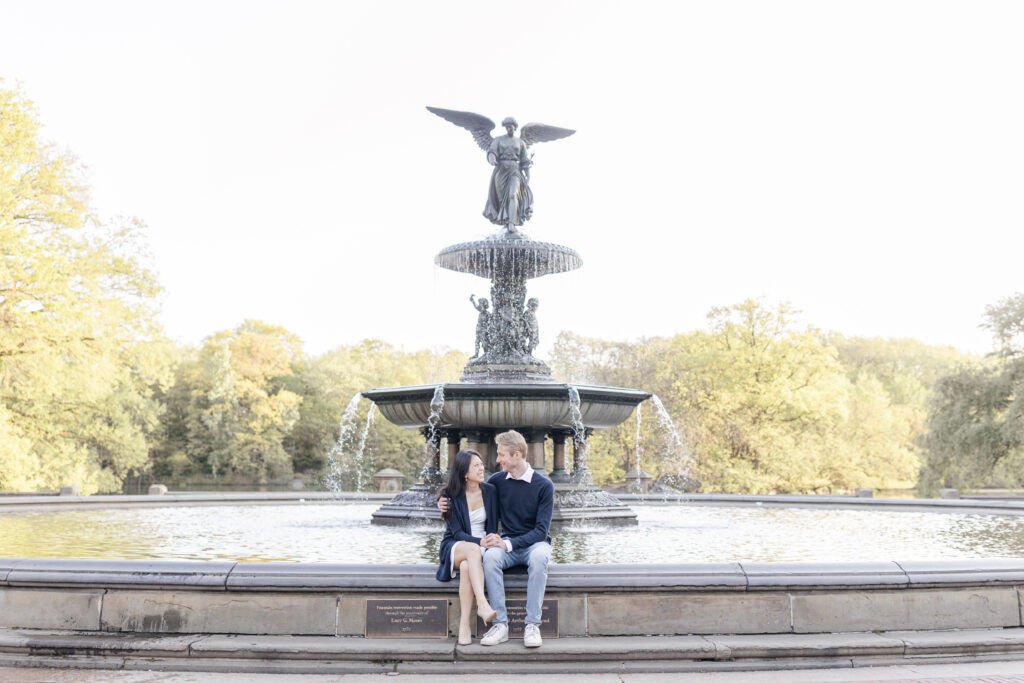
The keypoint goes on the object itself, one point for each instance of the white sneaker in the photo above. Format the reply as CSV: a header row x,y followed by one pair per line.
x,y
531,636
497,634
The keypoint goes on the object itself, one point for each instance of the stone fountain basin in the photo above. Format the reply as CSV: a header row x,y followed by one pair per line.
x,y
504,406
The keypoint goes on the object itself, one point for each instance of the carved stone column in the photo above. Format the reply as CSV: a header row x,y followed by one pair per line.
x,y
454,438
535,449
491,456
476,439
558,472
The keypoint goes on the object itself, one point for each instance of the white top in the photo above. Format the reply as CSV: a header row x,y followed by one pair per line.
x,y
476,521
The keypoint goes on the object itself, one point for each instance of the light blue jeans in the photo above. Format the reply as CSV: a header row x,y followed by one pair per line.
x,y
497,560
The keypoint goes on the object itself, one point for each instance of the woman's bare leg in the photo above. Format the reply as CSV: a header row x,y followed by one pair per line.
x,y
470,554
465,603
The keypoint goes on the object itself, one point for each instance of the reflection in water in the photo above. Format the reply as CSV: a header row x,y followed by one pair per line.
x,y
666,533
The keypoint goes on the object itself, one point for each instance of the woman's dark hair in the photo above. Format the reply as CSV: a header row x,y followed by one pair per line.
x,y
456,484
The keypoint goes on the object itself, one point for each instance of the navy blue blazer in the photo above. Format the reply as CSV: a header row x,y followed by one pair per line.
x,y
458,528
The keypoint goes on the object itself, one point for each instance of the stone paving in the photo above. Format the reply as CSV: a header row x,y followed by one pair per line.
x,y
986,672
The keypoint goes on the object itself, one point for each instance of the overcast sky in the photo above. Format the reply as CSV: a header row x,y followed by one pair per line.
x,y
861,160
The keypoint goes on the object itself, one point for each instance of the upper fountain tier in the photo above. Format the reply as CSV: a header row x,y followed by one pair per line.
x,y
507,331
507,255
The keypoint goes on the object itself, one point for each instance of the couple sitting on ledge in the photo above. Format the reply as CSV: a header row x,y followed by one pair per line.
x,y
523,500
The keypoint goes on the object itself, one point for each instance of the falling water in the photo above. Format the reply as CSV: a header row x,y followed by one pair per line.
x,y
580,474
677,459
345,459
436,406
638,450
357,457
579,433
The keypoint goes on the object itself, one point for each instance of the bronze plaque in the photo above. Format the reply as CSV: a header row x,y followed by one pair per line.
x,y
516,611
406,619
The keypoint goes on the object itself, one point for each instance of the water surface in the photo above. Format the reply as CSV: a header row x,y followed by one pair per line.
x,y
666,533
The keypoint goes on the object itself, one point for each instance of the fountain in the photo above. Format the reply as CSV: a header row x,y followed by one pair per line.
x,y
504,386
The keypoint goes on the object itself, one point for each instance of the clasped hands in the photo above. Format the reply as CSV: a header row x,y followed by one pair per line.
x,y
493,541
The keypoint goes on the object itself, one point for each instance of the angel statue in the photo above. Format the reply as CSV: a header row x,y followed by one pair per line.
x,y
509,199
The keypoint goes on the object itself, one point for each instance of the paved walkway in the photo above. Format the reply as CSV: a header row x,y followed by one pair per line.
x,y
984,672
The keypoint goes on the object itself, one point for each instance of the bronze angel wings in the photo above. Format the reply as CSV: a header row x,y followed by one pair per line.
x,y
481,127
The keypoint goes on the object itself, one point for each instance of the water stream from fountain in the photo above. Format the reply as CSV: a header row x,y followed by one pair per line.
x,y
342,458
638,451
335,460
436,406
357,457
580,474
677,459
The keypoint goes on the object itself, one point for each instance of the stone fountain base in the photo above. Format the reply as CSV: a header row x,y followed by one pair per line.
x,y
574,505
579,505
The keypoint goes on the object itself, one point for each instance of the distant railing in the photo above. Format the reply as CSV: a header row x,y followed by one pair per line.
x,y
11,494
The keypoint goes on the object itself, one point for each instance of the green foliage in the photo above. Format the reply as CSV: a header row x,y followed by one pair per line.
x,y
327,384
975,433
80,353
229,410
760,406
251,407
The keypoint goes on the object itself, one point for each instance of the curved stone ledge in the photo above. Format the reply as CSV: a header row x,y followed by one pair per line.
x,y
564,578
21,503
672,616
972,506
18,503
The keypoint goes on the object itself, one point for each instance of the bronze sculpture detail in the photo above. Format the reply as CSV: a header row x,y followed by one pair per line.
x,y
483,325
509,198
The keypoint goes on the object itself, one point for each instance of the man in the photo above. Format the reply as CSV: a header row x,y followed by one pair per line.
x,y
527,501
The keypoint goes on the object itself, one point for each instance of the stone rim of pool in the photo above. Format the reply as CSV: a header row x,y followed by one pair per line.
x,y
217,615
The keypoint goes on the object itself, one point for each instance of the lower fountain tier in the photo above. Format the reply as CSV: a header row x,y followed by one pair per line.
x,y
470,405
574,504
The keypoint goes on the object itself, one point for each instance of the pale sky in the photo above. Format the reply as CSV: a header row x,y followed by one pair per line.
x,y
861,160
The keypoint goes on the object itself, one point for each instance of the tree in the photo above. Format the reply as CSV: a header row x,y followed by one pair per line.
x,y
759,405
330,381
80,352
975,433
233,412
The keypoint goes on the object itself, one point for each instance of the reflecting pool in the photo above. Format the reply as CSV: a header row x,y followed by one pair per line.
x,y
666,533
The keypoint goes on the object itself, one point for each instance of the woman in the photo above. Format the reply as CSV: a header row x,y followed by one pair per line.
x,y
472,514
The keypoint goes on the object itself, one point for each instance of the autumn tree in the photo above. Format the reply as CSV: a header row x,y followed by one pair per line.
x,y
975,433
80,353
759,405
330,381
230,411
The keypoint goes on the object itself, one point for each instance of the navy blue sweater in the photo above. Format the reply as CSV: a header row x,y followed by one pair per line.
x,y
525,508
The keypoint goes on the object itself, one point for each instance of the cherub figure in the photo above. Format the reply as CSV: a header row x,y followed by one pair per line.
x,y
483,325
531,331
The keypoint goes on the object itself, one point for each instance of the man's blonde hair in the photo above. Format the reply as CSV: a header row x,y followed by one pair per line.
x,y
513,439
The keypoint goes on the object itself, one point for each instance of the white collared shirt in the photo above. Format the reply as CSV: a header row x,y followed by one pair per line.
x,y
527,475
